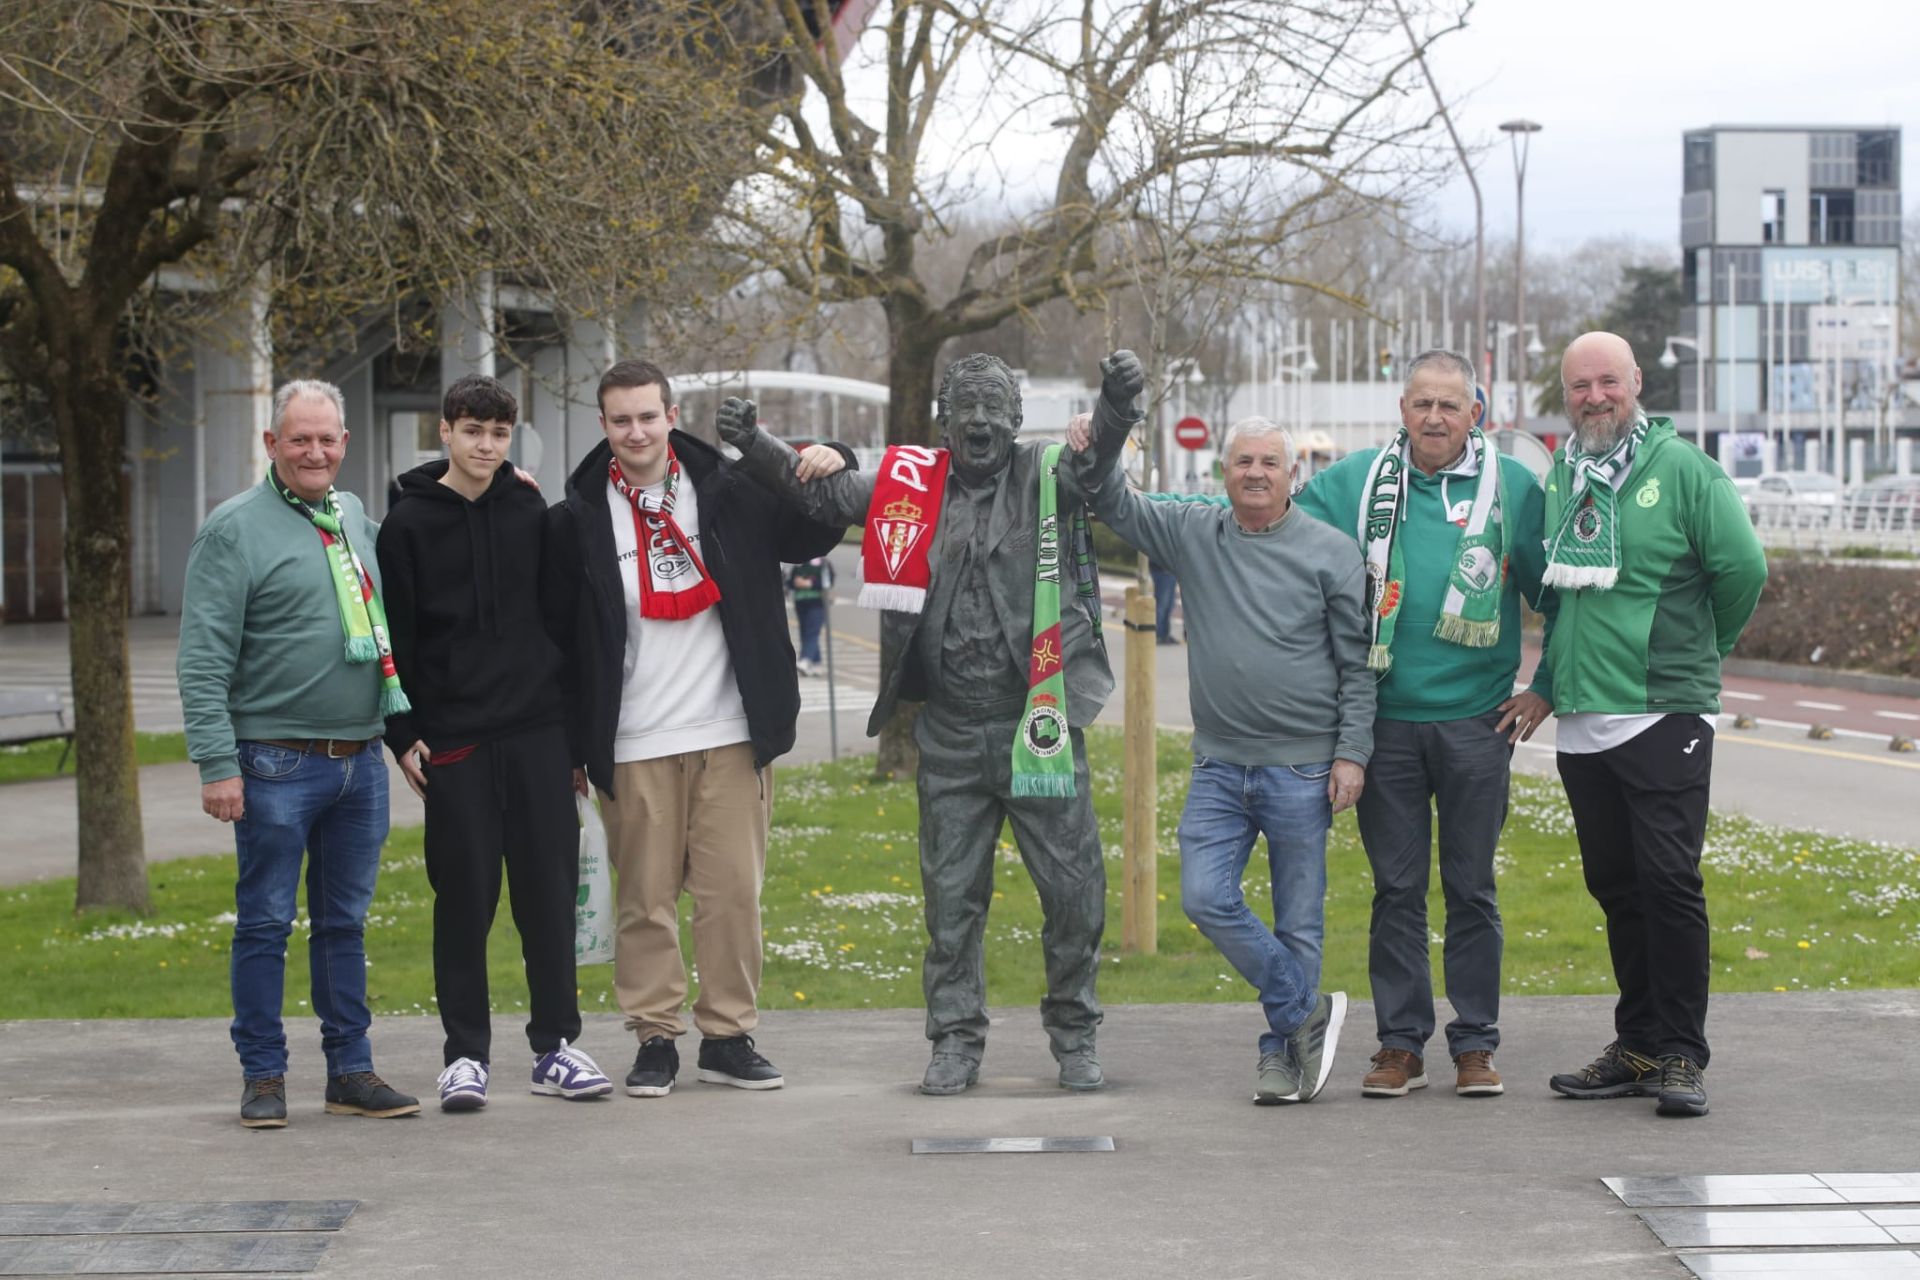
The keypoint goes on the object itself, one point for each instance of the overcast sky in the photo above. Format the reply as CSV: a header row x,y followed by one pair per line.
x,y
1614,85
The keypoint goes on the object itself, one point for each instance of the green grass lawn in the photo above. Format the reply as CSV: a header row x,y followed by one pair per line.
x,y
26,761
843,915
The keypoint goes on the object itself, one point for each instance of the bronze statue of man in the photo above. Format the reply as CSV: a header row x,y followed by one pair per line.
x,y
973,653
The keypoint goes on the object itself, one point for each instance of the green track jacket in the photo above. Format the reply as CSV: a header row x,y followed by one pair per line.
x,y
1691,569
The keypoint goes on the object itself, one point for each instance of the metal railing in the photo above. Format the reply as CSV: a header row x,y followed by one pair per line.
x,y
1884,521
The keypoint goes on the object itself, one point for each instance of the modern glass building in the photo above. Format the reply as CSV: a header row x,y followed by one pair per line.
x,y
1791,251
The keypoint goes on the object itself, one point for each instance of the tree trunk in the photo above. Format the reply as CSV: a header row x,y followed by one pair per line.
x,y
90,407
911,379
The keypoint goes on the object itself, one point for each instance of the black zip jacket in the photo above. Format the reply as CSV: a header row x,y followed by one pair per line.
x,y
746,533
461,586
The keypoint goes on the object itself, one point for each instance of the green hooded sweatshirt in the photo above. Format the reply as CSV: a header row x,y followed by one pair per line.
x,y
1691,570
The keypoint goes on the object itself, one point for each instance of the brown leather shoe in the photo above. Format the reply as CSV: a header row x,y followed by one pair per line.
x,y
1394,1072
1475,1076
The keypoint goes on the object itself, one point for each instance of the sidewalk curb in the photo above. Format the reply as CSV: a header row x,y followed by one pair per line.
x,y
1822,677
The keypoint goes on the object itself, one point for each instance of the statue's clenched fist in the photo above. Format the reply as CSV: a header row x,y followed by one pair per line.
x,y
737,422
1121,379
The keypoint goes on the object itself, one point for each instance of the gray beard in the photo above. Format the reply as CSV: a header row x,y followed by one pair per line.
x,y
1595,437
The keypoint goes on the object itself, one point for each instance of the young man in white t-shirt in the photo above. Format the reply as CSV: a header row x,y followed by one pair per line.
x,y
681,692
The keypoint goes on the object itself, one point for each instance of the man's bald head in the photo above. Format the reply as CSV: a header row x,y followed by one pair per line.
x,y
1602,384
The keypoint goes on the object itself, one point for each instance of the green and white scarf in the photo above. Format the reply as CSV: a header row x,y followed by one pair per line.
x,y
361,615
1042,746
1584,548
1470,614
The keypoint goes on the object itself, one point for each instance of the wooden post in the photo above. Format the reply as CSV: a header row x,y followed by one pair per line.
x,y
1139,889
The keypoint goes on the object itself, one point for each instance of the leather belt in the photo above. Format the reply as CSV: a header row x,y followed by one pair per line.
x,y
332,748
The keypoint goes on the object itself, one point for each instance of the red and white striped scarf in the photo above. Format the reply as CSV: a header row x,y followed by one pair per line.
x,y
674,583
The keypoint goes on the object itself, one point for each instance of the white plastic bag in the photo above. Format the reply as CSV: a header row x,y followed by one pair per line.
x,y
593,917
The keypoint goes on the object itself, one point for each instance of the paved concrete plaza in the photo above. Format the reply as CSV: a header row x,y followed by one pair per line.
x,y
817,1180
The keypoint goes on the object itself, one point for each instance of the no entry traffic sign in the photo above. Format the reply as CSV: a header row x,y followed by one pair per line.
x,y
1191,433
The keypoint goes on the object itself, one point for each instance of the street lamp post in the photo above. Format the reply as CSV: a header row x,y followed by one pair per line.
x,y
1668,360
1519,135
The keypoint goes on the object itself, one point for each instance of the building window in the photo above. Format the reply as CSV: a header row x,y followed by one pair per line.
x,y
1876,157
1773,217
1698,164
1830,217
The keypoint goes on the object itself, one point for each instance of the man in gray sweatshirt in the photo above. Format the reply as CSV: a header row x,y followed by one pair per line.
x,y
1283,709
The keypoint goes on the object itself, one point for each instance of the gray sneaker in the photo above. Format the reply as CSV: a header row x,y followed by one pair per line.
x,y
1313,1044
1081,1072
1279,1080
950,1073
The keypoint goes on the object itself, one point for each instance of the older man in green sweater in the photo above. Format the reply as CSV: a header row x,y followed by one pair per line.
x,y
285,673
1451,535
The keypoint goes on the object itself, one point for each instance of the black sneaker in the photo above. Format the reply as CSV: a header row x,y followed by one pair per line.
x,y
1682,1090
264,1103
654,1068
1618,1072
732,1060
362,1093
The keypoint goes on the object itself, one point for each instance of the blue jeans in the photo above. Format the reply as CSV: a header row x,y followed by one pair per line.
x,y
1229,806
335,812
812,616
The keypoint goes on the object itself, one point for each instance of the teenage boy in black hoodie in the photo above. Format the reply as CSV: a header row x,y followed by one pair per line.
x,y
485,744
682,692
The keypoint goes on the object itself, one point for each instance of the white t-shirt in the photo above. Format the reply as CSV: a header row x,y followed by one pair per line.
x,y
677,691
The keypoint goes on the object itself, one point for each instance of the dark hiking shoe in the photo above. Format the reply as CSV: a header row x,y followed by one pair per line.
x,y
1683,1091
654,1068
950,1073
362,1093
1395,1071
263,1104
1313,1044
1618,1072
732,1060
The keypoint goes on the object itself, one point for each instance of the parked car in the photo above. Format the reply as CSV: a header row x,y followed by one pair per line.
x,y
1814,487
1748,487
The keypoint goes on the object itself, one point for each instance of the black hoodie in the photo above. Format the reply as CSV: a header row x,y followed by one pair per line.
x,y
461,586
745,534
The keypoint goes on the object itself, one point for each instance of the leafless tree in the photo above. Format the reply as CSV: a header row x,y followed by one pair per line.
x,y
344,156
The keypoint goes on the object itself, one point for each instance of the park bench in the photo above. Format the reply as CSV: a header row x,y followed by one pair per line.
x,y
34,715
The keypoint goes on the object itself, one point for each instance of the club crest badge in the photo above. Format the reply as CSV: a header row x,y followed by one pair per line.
x,y
1478,568
1649,493
1586,523
901,525
1045,730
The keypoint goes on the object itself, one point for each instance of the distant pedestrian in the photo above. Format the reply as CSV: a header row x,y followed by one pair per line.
x,y
1656,568
1166,593
285,674
808,584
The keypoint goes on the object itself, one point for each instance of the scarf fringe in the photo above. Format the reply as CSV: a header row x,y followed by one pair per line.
x,y
393,702
362,649
1043,784
1379,657
1474,635
891,595
678,606
1576,578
